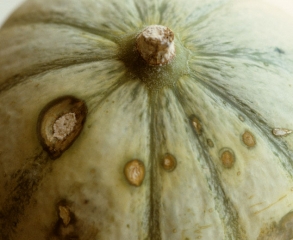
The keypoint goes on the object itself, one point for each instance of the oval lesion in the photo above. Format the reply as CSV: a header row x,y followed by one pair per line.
x,y
60,123
134,172
169,162
248,139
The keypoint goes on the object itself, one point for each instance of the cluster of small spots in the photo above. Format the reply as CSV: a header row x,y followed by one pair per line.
x,y
169,162
134,172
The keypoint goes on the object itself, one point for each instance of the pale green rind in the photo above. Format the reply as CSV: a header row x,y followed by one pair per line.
x,y
269,200
109,148
240,72
192,215
113,209
31,44
252,59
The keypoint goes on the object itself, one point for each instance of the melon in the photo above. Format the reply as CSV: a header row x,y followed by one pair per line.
x,y
151,120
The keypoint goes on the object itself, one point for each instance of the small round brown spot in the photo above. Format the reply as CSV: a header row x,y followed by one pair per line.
x,y
248,139
210,143
134,172
196,125
227,158
169,162
241,118
238,173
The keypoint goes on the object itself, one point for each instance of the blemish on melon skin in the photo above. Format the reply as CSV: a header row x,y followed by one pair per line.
x,y
279,50
169,162
60,123
248,139
196,125
134,172
227,158
281,132
64,214
210,143
241,118
281,230
69,226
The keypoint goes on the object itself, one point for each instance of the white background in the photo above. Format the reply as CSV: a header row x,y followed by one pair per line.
x,y
7,7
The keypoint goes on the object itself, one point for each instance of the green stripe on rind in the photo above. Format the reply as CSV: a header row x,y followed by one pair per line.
x,y
155,197
227,211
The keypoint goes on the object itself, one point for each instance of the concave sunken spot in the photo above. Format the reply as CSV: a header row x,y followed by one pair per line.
x,y
248,139
134,172
227,158
169,162
60,123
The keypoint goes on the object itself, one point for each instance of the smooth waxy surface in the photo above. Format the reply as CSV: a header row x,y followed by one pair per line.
x,y
232,70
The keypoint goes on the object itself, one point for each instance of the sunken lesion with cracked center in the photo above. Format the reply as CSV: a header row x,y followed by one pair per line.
x,y
60,123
